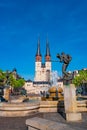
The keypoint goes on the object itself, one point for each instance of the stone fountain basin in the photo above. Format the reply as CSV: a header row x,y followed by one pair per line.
x,y
19,109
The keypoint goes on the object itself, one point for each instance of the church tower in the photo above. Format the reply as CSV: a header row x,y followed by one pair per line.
x,y
38,62
42,70
48,62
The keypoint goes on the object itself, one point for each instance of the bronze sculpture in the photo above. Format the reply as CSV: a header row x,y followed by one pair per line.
x,y
65,59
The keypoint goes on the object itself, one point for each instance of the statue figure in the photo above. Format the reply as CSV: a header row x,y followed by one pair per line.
x,y
65,59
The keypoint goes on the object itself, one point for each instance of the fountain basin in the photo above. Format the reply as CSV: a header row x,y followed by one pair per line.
x,y
19,109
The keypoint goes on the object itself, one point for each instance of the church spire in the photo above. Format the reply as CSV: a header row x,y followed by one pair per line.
x,y
47,56
38,48
38,54
47,48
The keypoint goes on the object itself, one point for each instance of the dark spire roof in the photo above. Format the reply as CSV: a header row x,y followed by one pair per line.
x,y
14,70
38,48
47,48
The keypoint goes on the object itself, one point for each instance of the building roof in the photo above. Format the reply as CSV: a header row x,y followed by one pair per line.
x,y
28,80
43,65
38,53
41,82
47,49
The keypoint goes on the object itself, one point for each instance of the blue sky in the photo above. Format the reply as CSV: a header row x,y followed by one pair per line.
x,y
64,22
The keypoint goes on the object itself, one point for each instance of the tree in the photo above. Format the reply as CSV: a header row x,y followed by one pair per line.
x,y
7,78
81,78
2,77
17,84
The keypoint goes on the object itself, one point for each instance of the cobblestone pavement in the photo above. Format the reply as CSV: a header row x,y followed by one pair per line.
x,y
80,125
18,123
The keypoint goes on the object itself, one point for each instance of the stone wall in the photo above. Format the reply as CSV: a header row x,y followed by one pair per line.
x,y
58,106
48,106
18,109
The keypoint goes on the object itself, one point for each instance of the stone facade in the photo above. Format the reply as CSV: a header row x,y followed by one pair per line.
x,y
36,87
43,70
71,103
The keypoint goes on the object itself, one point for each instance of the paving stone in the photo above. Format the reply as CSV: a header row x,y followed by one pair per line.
x,y
18,123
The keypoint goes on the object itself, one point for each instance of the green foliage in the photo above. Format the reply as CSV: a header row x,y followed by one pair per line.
x,y
2,78
18,83
1,71
80,78
15,83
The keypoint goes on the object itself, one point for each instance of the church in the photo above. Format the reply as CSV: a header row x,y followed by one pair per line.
x,y
43,71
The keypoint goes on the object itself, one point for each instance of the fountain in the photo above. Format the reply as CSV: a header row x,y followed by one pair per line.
x,y
11,106
16,107
19,107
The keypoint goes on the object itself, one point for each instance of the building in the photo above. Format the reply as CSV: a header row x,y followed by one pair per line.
x,y
42,79
42,70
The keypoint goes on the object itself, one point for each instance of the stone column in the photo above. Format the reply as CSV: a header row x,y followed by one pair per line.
x,y
6,94
70,103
